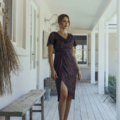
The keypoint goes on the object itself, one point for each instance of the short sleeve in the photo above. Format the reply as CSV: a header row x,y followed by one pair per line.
x,y
74,42
50,38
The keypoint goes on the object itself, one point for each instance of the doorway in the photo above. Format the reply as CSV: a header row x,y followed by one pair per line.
x,y
34,45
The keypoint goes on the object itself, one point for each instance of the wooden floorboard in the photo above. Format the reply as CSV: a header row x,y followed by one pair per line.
x,y
77,107
97,102
94,108
109,102
84,113
87,105
105,106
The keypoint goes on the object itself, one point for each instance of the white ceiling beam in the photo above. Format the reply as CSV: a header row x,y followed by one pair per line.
x,y
109,9
109,31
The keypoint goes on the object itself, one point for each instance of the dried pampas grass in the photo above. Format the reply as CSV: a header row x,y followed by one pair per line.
x,y
5,83
14,63
9,61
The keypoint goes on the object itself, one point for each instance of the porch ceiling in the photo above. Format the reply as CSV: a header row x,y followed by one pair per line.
x,y
83,13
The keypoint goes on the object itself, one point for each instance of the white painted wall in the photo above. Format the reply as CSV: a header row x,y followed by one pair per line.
x,y
21,37
44,69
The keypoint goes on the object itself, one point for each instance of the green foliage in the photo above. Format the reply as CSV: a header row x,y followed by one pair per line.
x,y
112,87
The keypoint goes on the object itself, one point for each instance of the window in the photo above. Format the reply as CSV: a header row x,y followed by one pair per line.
x,y
81,49
8,4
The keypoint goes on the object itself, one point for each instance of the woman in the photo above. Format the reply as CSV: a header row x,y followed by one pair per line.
x,y
65,68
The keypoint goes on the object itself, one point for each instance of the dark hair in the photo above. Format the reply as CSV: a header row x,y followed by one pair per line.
x,y
60,18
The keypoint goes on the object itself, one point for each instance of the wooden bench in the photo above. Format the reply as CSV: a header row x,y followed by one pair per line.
x,y
19,107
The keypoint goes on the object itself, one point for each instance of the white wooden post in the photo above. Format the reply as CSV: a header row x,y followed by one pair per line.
x,y
101,57
107,54
118,63
92,57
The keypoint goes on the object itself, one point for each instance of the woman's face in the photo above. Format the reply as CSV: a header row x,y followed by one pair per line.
x,y
65,23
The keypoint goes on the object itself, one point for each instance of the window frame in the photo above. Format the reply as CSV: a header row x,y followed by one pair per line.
x,y
11,19
13,33
79,64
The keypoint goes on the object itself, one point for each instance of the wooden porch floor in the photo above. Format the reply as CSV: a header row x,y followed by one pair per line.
x,y
88,105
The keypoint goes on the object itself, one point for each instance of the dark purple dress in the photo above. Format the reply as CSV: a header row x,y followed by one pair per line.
x,y
64,62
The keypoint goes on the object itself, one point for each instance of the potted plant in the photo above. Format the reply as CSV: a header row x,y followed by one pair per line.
x,y
111,89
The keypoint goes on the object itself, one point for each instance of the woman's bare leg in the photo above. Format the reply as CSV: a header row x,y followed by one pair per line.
x,y
62,101
68,104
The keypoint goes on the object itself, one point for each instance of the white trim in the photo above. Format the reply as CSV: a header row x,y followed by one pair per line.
x,y
35,36
14,43
93,56
118,64
101,57
109,31
107,54
22,52
83,66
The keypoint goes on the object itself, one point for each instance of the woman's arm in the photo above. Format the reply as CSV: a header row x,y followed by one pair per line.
x,y
79,73
50,56
73,53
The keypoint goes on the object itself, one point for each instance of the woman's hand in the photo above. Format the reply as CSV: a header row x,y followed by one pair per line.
x,y
79,76
54,75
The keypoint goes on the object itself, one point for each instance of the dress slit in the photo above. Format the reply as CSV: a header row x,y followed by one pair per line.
x,y
60,89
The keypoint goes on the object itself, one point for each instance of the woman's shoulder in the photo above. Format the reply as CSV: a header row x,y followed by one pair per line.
x,y
53,32
71,35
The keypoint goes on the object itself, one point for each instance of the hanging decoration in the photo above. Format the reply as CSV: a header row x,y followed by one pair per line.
x,y
13,59
5,84
9,61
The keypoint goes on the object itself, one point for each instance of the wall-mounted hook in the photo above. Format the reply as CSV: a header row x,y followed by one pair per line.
x,y
6,11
